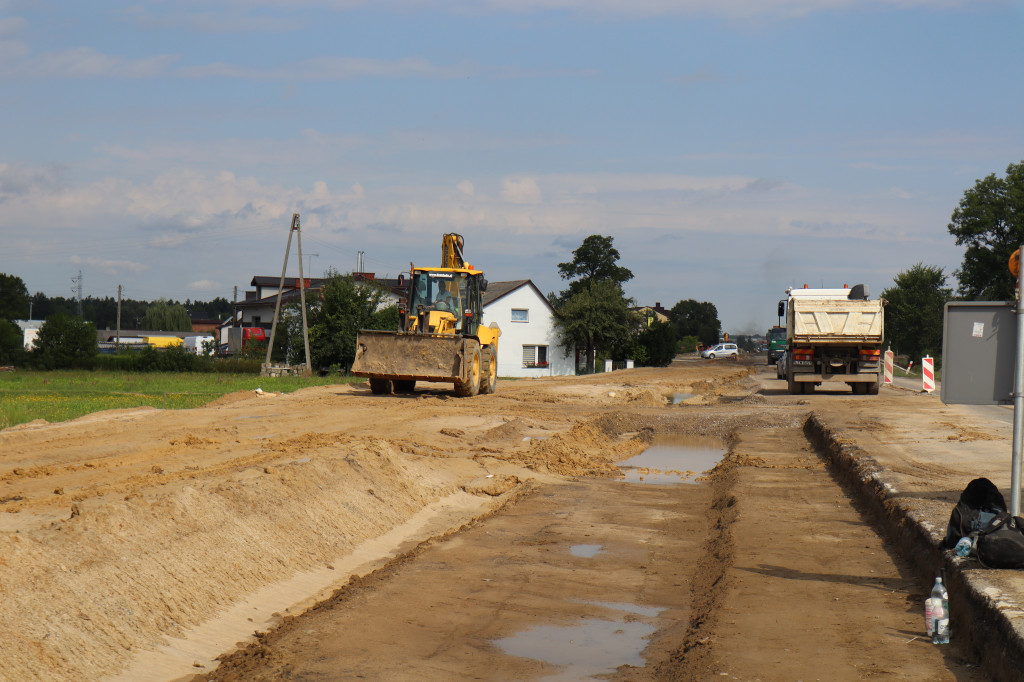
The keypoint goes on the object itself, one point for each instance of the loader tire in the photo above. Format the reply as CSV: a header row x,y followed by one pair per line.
x,y
489,381
471,386
872,388
380,386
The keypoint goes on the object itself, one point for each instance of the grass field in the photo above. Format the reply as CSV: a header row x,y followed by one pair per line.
x,y
62,395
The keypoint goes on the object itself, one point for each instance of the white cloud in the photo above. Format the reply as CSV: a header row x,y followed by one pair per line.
x,y
12,25
110,266
737,9
334,68
204,285
466,187
520,191
82,62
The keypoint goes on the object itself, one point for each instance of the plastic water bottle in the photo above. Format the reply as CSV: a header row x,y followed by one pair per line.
x,y
936,609
964,547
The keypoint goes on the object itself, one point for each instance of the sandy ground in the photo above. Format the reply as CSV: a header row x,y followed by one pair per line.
x,y
144,544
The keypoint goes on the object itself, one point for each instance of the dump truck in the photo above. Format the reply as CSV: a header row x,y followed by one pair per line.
x,y
833,336
441,335
775,339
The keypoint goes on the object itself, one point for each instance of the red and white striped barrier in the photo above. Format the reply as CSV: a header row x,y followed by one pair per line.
x,y
928,374
887,371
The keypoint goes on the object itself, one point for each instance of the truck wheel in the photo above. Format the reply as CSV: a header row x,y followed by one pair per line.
x,y
489,382
794,388
858,389
380,386
872,388
404,385
471,386
807,387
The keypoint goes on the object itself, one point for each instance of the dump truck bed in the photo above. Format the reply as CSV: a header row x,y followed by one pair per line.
x,y
409,356
836,321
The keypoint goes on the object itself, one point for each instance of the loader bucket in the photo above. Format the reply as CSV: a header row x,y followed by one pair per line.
x,y
408,356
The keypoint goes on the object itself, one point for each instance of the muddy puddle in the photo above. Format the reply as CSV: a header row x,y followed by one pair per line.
x,y
590,648
673,459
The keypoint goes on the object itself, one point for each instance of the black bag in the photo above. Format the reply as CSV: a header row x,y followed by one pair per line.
x,y
980,503
1001,543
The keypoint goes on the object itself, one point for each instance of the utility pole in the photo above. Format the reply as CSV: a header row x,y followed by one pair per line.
x,y
118,344
295,228
309,262
302,298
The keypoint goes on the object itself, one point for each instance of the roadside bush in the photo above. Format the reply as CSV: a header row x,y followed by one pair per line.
x,y
174,359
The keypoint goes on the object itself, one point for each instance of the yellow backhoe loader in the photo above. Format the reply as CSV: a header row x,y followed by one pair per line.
x,y
441,335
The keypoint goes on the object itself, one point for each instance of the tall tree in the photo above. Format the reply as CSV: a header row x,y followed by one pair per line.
x,y
989,221
596,318
167,317
696,318
595,259
914,310
13,298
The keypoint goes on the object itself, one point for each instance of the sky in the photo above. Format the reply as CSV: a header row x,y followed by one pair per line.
x,y
732,148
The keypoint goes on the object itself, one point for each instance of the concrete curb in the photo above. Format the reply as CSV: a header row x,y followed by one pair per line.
x,y
986,604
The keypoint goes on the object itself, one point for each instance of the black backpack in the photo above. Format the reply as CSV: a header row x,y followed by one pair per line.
x,y
980,503
1001,543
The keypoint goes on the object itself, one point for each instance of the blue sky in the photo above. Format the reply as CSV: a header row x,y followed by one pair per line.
x,y
732,148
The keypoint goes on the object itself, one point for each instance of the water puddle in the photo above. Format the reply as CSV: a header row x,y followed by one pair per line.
x,y
680,397
585,551
673,459
590,648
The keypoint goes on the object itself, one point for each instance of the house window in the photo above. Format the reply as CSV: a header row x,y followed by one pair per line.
x,y
535,356
520,315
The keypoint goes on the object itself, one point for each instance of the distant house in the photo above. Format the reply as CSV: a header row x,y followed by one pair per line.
x,y
30,330
653,313
257,310
528,346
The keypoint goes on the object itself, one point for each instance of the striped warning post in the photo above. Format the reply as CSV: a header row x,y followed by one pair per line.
x,y
887,371
928,374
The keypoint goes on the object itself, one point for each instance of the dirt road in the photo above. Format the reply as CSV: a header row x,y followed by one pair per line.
x,y
143,544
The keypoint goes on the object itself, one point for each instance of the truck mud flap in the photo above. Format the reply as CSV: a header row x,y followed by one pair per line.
x,y
399,355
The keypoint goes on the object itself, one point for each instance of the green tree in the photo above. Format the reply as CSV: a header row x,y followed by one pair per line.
x,y
596,318
595,260
344,308
163,316
12,340
989,221
696,318
659,344
65,341
914,310
13,298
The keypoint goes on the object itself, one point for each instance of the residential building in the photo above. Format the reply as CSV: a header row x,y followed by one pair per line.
x,y
528,346
652,313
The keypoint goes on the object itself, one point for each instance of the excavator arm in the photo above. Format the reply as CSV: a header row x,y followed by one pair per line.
x,y
451,251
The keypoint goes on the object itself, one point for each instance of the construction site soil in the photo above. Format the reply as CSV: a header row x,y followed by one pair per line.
x,y
334,534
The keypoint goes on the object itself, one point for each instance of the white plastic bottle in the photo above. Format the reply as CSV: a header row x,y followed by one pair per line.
x,y
936,609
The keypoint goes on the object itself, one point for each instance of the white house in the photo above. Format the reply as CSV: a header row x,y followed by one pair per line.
x,y
30,329
528,346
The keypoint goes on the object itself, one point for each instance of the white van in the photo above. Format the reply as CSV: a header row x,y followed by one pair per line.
x,y
194,344
722,350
